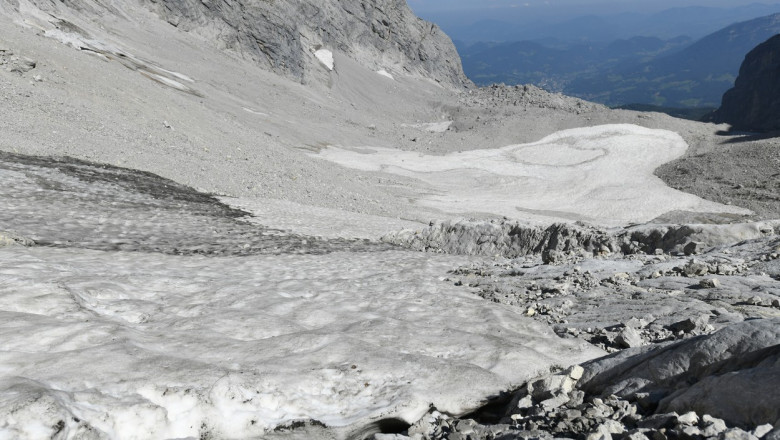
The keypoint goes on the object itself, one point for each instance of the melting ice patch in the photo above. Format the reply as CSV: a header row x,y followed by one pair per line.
x,y
141,345
600,174
117,325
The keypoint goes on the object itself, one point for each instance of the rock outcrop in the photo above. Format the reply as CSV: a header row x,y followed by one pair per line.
x,y
286,37
754,102
512,239
695,389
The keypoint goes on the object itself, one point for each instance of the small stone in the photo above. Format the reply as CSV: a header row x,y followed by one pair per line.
x,y
762,430
554,402
38,78
530,312
602,432
525,403
736,434
692,248
636,323
658,435
726,269
576,372
576,398
690,433
628,338
689,418
551,386
636,435
621,278
776,303
658,421
553,257
694,268
709,283
712,426
28,62
755,301
614,427
690,324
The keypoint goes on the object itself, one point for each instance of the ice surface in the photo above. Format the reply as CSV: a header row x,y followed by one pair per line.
x,y
599,174
114,326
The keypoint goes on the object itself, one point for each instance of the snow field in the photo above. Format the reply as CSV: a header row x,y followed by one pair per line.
x,y
135,346
601,174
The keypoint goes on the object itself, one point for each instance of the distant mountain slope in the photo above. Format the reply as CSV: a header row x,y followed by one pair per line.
x,y
754,102
515,24
553,65
694,77
640,70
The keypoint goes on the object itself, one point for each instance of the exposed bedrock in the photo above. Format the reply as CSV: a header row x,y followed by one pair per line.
x,y
732,374
558,241
719,386
283,36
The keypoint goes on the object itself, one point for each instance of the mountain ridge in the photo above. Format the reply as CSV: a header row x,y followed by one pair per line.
x,y
665,73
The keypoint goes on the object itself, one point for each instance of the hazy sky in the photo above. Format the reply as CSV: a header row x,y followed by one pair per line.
x,y
448,5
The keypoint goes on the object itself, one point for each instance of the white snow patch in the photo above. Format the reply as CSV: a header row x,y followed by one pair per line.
x,y
326,58
385,73
132,345
433,127
254,112
600,174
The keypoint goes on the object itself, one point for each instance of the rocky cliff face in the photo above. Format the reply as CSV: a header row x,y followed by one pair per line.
x,y
283,36
754,102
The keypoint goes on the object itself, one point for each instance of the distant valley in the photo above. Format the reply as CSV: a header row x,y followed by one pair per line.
x,y
673,75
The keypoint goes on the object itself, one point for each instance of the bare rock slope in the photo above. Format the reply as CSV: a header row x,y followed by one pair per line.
x,y
754,102
282,35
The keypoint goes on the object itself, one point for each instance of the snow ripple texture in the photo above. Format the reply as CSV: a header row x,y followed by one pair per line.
x,y
114,325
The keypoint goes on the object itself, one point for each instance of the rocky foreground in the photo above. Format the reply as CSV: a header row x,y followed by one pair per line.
x,y
137,304
691,313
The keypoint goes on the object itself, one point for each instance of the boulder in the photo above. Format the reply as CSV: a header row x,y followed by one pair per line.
x,y
729,374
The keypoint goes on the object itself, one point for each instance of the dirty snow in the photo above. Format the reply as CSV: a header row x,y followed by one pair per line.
x,y
113,325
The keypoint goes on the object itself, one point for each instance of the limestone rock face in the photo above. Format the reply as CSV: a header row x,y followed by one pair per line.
x,y
284,36
754,102
716,374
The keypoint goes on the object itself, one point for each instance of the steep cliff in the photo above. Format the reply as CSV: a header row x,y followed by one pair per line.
x,y
284,36
754,102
